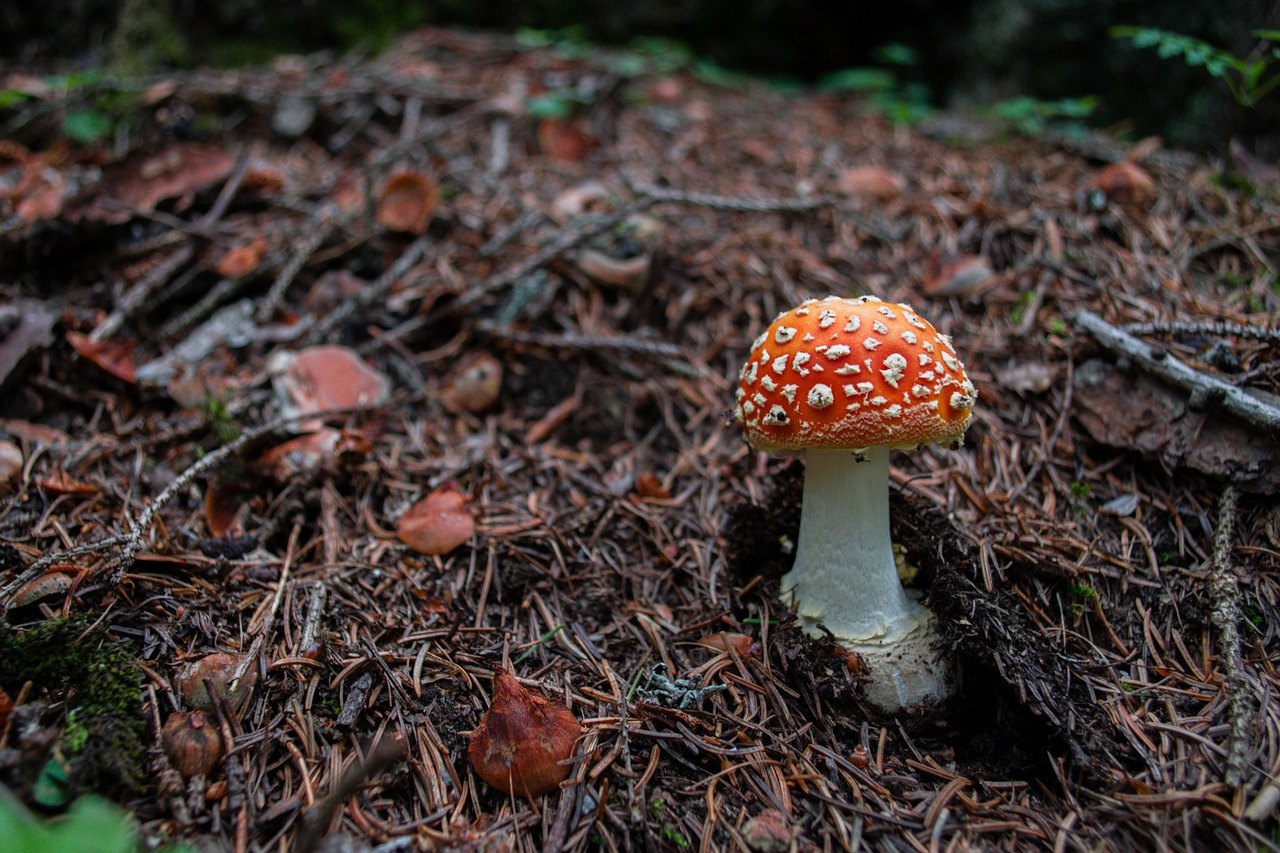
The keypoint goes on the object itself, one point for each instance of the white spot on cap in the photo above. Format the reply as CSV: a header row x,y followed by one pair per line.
x,y
848,370
826,319
753,370
801,358
961,401
747,407
837,351
820,396
879,328
808,336
924,359
777,416
767,383
916,321
921,390
854,322
946,342
850,390
878,400
894,367
759,342
928,376
789,391
871,343
886,311
784,334
950,362
894,411
928,346
909,336
759,399
866,387
780,364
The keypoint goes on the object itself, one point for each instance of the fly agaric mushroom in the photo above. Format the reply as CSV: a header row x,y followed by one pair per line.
x,y
845,380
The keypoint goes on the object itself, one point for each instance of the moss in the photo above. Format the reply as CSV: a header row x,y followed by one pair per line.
x,y
100,686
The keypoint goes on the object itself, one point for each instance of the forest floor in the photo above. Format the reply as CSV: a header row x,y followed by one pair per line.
x,y
544,271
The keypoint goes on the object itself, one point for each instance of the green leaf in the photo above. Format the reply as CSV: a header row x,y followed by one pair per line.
x,y
858,80
9,97
86,125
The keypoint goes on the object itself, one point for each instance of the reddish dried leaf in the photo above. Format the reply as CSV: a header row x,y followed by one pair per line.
x,y
873,182
326,377
302,455
408,199
115,357
722,641
33,433
438,523
61,482
1123,182
222,501
649,486
242,259
50,583
143,181
948,273
564,141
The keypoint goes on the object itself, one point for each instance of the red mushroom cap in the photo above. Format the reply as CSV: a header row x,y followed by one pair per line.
x,y
848,374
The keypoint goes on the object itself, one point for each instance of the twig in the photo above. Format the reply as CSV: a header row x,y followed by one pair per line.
x,y
1233,400
1216,328
135,297
1224,592
322,223
407,260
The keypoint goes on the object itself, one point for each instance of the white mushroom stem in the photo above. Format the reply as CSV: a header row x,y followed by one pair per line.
x,y
844,578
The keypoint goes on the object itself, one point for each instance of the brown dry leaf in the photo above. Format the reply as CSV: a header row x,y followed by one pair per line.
x,y
243,259
438,523
649,486
115,357
952,273
744,644
61,482
1123,182
50,583
326,377
564,141
33,433
407,201
222,502
141,182
874,182
302,455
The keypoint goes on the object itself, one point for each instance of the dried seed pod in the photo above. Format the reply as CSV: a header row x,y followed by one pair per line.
x,y
523,740
192,742
474,384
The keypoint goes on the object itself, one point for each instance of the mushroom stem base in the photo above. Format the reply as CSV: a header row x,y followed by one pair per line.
x,y
908,671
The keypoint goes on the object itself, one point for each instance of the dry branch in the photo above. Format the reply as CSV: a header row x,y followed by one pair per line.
x,y
1214,392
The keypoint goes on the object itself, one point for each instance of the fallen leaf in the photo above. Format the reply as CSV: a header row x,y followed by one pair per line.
x,y
874,182
1123,182
50,583
953,273
438,523
564,141
33,433
407,201
222,502
141,182
10,460
243,259
649,486
26,327
61,482
325,377
115,357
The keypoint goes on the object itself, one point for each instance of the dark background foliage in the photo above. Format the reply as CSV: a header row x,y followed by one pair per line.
x,y
970,51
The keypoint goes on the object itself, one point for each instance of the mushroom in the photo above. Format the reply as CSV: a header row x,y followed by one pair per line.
x,y
846,380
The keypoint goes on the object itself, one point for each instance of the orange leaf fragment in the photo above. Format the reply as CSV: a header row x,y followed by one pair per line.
x,y
50,583
438,523
722,641
1124,182
242,260
564,141
649,486
115,357
321,378
408,199
64,484
874,182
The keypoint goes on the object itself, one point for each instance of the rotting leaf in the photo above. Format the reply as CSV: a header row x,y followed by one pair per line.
x,y
438,523
243,259
322,378
115,357
407,201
